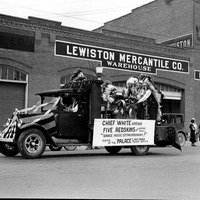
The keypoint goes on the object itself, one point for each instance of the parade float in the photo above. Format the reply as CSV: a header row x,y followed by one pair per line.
x,y
103,118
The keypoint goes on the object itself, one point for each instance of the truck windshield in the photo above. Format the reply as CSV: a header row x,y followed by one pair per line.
x,y
50,103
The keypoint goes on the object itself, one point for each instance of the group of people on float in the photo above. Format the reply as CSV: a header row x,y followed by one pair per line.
x,y
140,94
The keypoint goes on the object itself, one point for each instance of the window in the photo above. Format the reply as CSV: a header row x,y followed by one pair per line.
x,y
16,75
50,103
172,120
11,73
179,119
62,80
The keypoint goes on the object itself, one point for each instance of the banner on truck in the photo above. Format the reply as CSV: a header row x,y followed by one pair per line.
x,y
123,132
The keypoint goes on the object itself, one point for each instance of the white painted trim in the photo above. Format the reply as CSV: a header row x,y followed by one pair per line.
x,y
12,81
26,92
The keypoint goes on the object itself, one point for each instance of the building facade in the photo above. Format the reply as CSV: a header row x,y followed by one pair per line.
x,y
171,23
38,54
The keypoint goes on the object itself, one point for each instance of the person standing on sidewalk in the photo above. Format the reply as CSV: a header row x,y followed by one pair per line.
x,y
198,134
193,131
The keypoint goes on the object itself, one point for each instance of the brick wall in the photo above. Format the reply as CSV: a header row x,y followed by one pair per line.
x,y
159,19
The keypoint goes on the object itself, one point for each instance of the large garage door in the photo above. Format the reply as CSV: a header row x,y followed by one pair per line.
x,y
12,96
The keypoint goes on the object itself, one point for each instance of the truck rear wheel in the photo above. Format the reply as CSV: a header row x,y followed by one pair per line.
x,y
31,143
8,149
140,150
54,148
70,147
113,150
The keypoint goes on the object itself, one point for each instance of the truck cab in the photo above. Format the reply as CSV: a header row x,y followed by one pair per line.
x,y
75,125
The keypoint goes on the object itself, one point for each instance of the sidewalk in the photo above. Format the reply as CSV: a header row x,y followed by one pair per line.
x,y
188,143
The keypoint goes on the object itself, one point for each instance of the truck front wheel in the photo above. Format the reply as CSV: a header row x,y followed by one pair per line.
x,y
8,149
113,150
140,150
31,143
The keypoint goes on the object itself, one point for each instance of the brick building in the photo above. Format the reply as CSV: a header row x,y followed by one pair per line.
x,y
38,54
172,23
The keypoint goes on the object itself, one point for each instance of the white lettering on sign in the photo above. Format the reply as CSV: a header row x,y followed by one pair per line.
x,y
177,66
151,62
89,53
182,44
129,66
185,41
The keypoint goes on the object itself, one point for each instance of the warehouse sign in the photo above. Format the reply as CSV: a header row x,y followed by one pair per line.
x,y
121,60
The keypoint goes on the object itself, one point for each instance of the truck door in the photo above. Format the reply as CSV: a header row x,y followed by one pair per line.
x,y
74,124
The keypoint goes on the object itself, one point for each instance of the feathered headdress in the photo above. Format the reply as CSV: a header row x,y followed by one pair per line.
x,y
77,76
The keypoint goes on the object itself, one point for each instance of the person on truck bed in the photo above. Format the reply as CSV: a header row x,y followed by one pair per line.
x,y
140,93
153,97
131,90
115,103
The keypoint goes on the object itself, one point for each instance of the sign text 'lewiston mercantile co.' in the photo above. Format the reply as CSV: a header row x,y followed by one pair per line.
x,y
123,60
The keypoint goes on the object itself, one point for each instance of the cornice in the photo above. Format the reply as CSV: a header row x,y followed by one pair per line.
x,y
131,44
127,36
84,35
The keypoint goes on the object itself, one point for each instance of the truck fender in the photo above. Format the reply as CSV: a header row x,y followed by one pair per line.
x,y
37,126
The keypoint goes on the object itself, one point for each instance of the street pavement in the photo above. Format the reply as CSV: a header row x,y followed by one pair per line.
x,y
164,173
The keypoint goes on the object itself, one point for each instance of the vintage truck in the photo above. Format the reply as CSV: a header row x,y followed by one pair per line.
x,y
47,123
177,120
